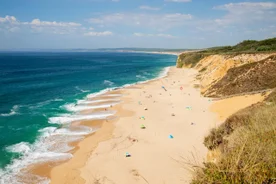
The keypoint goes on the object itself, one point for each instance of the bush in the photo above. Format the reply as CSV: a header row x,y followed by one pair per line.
x,y
263,48
250,153
189,59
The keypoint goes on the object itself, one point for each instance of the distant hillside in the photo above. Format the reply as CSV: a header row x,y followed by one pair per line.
x,y
143,49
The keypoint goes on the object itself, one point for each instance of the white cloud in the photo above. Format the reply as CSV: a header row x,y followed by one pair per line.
x,y
247,6
8,19
153,35
149,8
247,12
178,1
37,22
156,21
11,24
104,33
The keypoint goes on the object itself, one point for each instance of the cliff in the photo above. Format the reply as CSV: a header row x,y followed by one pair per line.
x,y
225,75
245,144
226,71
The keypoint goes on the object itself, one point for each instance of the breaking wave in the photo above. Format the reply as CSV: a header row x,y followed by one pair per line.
x,y
12,112
108,83
81,90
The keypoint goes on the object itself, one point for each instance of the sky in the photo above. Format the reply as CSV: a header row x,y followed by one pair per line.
x,y
186,24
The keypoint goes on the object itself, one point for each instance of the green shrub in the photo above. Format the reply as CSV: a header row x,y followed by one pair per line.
x,y
189,59
263,48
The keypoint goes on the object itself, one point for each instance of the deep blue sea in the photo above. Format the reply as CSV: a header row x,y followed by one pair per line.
x,y
38,89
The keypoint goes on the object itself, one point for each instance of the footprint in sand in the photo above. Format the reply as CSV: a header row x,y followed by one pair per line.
x,y
103,180
137,175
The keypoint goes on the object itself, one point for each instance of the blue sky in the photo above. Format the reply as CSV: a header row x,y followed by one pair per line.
x,y
63,24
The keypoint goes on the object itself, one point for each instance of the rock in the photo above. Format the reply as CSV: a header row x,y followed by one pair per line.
x,y
145,109
173,114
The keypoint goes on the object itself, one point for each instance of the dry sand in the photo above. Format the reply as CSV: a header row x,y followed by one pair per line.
x,y
226,107
155,158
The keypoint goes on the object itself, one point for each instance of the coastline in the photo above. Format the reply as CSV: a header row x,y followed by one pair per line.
x,y
111,136
103,130
103,151
38,153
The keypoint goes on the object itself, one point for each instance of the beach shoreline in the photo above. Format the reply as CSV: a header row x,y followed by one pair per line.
x,y
57,140
73,170
44,169
96,157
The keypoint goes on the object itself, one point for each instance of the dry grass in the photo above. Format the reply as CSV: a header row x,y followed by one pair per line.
x,y
247,78
249,147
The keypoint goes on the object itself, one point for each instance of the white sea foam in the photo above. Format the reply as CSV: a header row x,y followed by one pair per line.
x,y
82,90
100,92
37,152
22,147
113,95
164,72
108,83
140,77
71,118
27,177
76,108
13,111
50,131
64,131
31,154
51,146
57,139
97,101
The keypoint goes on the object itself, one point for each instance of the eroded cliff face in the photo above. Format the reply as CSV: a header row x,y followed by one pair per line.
x,y
224,75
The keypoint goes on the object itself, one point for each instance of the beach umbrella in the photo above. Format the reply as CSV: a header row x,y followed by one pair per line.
x,y
128,155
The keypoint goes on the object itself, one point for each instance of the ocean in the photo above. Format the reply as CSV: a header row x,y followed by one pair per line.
x,y
41,93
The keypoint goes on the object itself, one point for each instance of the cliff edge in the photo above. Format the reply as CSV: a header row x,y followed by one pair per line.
x,y
245,144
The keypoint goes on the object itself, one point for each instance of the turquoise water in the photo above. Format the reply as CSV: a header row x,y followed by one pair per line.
x,y
38,90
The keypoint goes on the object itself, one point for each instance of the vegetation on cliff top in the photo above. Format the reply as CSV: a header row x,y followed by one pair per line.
x,y
190,59
247,46
247,141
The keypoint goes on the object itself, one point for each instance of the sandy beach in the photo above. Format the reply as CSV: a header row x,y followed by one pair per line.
x,y
161,124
